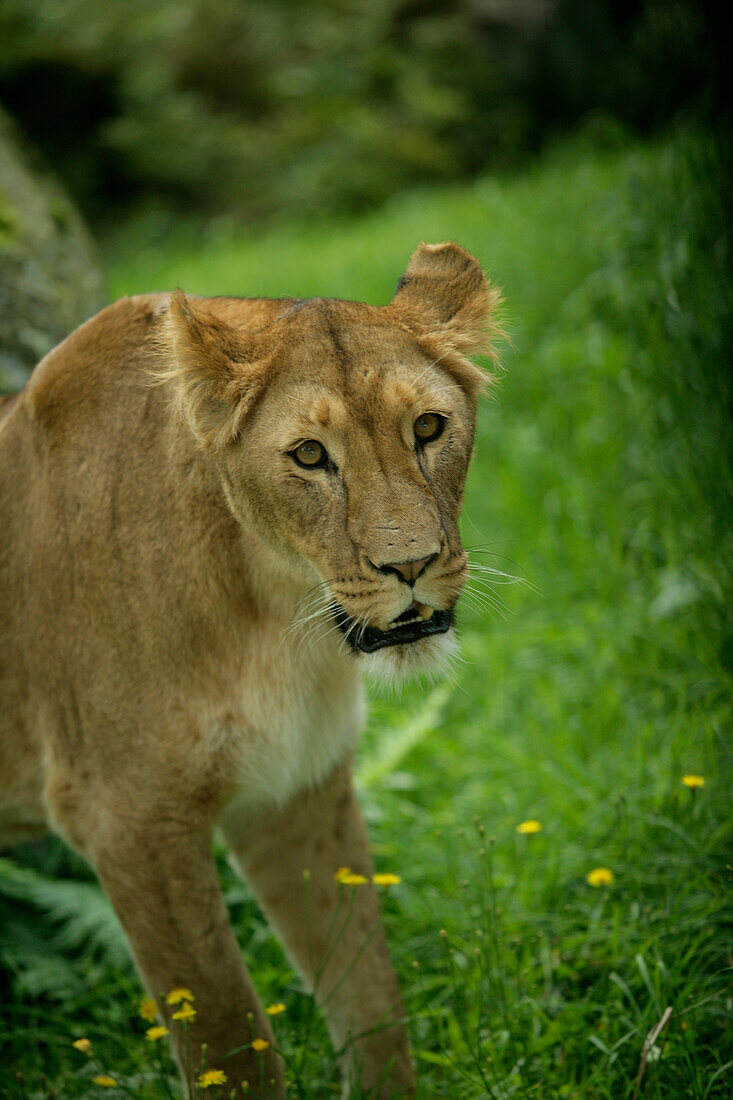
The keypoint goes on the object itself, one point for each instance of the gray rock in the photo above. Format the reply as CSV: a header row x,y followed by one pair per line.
x,y
49,278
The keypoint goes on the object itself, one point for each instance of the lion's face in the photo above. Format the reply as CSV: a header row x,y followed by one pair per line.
x,y
356,459
350,458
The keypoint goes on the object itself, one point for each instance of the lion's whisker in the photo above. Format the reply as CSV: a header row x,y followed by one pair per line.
x,y
481,602
488,593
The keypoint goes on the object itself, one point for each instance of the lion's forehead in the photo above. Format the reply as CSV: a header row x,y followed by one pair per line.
x,y
342,368
387,382
336,408
350,337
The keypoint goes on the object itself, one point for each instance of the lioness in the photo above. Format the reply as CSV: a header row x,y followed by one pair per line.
x,y
194,572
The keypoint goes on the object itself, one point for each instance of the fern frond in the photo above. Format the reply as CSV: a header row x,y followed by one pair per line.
x,y
84,916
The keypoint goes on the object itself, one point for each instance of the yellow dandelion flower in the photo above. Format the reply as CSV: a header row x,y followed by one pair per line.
x,y
105,1081
154,1033
260,1044
148,1009
185,1012
529,827
348,877
212,1077
693,781
386,879
83,1045
275,1010
600,876
177,995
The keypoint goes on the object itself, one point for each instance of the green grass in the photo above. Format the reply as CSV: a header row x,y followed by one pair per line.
x,y
603,477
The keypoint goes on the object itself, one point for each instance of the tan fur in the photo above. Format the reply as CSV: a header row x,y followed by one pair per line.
x,y
168,657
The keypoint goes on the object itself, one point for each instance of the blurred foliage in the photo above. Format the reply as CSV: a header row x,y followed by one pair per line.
x,y
259,106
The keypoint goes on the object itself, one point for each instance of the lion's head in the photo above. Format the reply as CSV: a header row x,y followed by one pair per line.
x,y
342,433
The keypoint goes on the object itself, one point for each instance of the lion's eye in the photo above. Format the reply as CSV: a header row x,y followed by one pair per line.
x,y
310,454
428,427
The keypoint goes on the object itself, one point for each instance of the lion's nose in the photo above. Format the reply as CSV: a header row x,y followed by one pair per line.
x,y
408,570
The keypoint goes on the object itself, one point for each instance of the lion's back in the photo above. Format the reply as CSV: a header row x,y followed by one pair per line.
x,y
80,396
74,381
56,436
62,450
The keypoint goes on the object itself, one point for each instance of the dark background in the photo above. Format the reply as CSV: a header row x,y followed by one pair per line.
x,y
261,107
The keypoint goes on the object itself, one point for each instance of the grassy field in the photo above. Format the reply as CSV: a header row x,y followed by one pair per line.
x,y
602,478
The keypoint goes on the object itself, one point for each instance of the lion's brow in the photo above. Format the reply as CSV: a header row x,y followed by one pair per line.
x,y
333,331
323,408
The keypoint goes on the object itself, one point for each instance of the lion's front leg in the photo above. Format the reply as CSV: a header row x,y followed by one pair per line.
x,y
333,932
159,872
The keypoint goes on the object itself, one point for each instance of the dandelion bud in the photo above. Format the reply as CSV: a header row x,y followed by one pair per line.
x,y
443,933
306,875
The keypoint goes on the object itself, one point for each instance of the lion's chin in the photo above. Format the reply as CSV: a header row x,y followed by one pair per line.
x,y
430,656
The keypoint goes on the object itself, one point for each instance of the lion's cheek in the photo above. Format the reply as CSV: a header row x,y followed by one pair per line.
x,y
311,520
447,479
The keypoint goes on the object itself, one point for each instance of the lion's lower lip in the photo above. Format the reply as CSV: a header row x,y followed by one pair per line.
x,y
368,638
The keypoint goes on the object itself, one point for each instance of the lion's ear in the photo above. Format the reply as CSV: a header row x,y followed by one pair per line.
x,y
445,298
217,379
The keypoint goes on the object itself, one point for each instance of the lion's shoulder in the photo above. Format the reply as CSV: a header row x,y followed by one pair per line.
x,y
101,350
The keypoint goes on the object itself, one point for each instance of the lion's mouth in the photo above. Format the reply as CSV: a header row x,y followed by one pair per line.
x,y
410,626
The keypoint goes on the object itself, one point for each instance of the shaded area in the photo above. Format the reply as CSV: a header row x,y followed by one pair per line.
x,y
259,107
49,278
